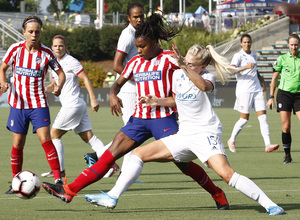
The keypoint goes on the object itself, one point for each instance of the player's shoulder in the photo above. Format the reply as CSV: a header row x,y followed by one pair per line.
x,y
47,50
129,31
18,44
68,57
167,52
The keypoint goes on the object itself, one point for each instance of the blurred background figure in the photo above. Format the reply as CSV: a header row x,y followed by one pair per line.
x,y
97,22
206,20
228,22
77,21
109,80
176,19
193,20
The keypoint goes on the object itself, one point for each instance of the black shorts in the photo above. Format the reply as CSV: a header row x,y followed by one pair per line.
x,y
287,101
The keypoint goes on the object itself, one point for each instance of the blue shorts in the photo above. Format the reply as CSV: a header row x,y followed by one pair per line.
x,y
18,119
140,130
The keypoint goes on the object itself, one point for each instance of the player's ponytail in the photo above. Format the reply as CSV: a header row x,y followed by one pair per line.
x,y
222,65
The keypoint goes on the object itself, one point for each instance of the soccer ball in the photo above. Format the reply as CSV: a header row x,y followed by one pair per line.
x,y
26,184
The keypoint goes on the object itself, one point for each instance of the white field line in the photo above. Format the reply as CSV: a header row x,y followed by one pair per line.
x,y
161,194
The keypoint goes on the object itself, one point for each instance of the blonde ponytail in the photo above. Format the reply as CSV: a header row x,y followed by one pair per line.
x,y
222,65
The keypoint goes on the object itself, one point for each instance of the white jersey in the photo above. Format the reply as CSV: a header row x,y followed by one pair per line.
x,y
70,94
247,80
152,77
29,70
196,114
126,45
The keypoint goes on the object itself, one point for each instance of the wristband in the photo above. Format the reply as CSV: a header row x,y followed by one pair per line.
x,y
271,97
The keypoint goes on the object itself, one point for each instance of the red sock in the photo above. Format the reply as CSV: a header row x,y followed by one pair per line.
x,y
94,173
200,176
52,158
16,160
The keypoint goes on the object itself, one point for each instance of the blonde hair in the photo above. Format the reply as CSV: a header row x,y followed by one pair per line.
x,y
206,56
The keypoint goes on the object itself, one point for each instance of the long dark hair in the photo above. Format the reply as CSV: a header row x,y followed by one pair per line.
x,y
154,28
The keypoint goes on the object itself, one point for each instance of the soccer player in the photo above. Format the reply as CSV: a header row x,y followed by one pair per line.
x,y
73,113
126,49
152,70
249,95
200,130
27,98
288,96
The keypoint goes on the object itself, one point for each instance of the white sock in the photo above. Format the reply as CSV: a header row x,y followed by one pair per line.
x,y
127,177
250,189
96,143
60,152
264,128
237,128
102,150
126,159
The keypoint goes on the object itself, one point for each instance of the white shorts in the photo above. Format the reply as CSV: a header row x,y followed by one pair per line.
x,y
73,118
185,148
128,100
245,102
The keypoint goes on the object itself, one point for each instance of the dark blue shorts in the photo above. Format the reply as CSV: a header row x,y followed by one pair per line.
x,y
18,119
141,130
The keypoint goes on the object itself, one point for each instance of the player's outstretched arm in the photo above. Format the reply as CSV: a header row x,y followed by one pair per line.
x,y
152,100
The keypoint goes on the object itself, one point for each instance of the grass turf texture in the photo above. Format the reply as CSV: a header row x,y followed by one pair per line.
x,y
165,193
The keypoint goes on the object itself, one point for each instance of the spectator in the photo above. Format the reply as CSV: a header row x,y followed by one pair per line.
x,y
77,21
228,22
97,22
176,19
109,80
206,21
192,20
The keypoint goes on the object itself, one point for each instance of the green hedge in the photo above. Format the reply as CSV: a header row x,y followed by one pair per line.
x,y
87,43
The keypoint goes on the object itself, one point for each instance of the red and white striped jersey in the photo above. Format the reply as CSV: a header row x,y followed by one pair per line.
x,y
29,69
152,77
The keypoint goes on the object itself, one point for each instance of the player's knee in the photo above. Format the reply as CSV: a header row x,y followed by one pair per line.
x,y
286,128
226,175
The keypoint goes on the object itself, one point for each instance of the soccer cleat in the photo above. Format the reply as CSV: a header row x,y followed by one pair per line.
x,y
115,168
275,210
102,200
60,191
271,147
50,174
221,200
287,159
10,191
90,159
231,146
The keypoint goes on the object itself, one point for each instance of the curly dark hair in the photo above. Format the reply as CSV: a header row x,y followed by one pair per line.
x,y
154,28
32,18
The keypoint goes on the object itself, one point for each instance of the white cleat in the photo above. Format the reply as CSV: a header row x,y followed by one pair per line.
x,y
271,147
102,200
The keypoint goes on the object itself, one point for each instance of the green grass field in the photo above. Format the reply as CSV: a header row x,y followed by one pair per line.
x,y
165,193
